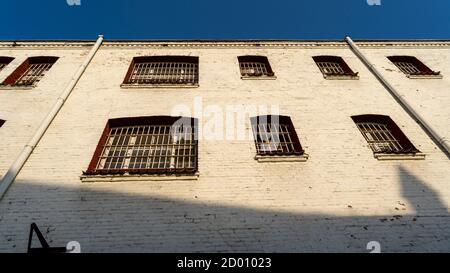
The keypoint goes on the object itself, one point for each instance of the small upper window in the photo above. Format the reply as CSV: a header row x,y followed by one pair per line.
x,y
383,135
255,67
413,67
163,70
147,145
4,61
334,67
275,135
30,72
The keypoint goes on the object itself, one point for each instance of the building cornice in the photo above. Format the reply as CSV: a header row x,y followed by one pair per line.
x,y
175,44
45,44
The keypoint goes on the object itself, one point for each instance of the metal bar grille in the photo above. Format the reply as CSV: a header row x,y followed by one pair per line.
x,y
331,68
273,138
149,147
164,73
253,69
379,137
33,74
407,67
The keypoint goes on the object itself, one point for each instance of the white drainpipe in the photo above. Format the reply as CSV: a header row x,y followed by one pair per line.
x,y
442,140
15,168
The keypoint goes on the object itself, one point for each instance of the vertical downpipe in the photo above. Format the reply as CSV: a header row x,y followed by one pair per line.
x,y
440,139
20,161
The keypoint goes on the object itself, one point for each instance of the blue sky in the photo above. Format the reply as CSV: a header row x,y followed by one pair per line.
x,y
224,19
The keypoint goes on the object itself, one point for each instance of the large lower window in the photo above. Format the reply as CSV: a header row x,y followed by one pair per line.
x,y
383,135
30,72
160,70
275,135
147,145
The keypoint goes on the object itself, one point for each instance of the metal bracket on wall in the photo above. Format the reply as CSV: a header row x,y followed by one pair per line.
x,y
45,246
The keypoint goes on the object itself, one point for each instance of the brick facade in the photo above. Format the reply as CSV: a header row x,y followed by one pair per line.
x,y
338,200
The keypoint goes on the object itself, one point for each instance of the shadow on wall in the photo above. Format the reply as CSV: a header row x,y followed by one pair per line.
x,y
111,222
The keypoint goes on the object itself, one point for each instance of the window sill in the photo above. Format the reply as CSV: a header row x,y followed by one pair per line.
x,y
141,86
425,76
416,156
16,87
282,158
136,177
258,77
338,77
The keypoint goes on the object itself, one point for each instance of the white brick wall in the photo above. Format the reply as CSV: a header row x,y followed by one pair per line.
x,y
338,200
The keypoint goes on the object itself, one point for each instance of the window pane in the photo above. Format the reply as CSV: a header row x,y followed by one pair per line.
x,y
253,69
274,138
164,73
34,73
149,147
379,137
331,68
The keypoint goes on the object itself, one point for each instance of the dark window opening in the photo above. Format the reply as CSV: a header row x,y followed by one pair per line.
x,y
255,66
163,70
412,66
275,135
147,145
2,122
4,61
31,71
383,135
333,66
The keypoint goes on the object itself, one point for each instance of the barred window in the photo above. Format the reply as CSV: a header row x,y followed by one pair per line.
x,y
254,66
4,61
275,135
31,71
146,145
333,66
383,135
410,65
163,70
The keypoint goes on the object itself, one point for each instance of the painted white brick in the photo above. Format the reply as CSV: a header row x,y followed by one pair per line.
x,y
338,200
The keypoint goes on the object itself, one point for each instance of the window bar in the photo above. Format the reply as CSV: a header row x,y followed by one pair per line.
x,y
33,74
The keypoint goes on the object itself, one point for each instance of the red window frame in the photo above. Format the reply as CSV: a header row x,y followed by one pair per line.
x,y
423,70
21,69
255,61
4,61
193,60
140,121
291,146
347,71
406,145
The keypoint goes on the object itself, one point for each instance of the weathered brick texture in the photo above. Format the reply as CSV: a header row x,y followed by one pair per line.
x,y
339,200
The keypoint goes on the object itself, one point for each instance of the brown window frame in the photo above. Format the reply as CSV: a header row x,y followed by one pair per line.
x,y
346,70
146,121
156,63
397,135
21,71
293,146
260,64
405,63
4,61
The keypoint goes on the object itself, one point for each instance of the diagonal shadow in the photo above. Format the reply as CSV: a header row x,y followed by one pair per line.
x,y
104,221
